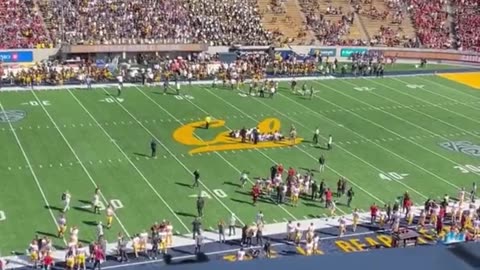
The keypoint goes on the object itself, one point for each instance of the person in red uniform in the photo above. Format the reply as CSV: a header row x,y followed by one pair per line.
x,y
280,169
406,198
255,194
47,261
373,213
328,197
99,257
407,206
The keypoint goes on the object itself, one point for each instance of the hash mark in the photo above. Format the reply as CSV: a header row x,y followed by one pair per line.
x,y
71,164
274,220
50,165
9,168
19,167
40,166
61,165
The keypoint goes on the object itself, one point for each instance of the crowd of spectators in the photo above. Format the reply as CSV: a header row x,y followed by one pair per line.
x,y
147,21
329,32
430,18
467,24
21,25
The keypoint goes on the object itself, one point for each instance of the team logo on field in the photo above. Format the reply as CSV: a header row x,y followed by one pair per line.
x,y
12,116
188,135
462,147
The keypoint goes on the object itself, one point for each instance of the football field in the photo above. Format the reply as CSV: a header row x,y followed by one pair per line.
x,y
391,135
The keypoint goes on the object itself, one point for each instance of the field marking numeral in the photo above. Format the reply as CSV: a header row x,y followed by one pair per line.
x,y
42,102
364,88
2,216
218,192
468,168
242,95
391,176
112,100
117,204
184,97
415,86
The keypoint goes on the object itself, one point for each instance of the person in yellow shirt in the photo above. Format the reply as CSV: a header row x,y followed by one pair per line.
x,y
208,120
110,213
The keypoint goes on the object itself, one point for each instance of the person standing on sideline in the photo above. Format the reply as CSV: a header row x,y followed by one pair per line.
x,y
315,136
232,225
196,226
311,92
153,148
221,231
314,190
350,195
99,257
200,205
196,178
473,193
373,213
208,119
198,243
259,234
330,141
321,161
89,82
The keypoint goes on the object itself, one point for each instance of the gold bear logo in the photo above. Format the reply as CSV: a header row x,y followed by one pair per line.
x,y
223,141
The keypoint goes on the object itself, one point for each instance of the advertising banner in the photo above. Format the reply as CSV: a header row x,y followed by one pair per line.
x,y
346,52
16,56
323,52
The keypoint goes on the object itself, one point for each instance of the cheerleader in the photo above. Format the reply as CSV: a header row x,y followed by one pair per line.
x,y
461,196
34,253
410,217
342,226
169,233
298,234
81,257
356,217
421,219
316,241
310,231
74,235
332,208
309,247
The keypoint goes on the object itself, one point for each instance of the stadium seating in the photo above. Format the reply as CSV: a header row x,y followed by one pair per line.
x,y
21,25
386,22
285,18
43,23
467,24
430,18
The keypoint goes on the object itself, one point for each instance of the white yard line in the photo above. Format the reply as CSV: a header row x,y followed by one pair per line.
x,y
216,152
129,161
172,154
395,133
456,92
371,141
25,156
315,158
429,103
78,159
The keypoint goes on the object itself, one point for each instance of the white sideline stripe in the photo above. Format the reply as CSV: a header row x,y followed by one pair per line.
x,y
129,160
171,153
78,159
37,182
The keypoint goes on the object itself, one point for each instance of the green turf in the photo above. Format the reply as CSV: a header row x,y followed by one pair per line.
x,y
79,140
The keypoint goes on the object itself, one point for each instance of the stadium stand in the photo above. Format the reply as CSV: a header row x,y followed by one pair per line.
x,y
438,24
21,25
467,24
430,18
285,17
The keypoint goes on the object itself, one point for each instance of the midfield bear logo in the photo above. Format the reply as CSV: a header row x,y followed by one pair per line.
x,y
223,141
12,116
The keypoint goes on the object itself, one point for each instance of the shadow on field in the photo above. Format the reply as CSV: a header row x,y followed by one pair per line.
x,y
90,223
183,184
141,154
240,201
56,208
46,234
232,184
183,214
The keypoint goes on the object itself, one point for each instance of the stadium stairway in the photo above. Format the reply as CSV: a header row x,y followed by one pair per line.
x,y
372,26
290,23
355,31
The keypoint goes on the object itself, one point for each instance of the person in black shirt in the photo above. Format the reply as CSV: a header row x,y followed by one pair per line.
x,y
196,178
314,190
273,171
350,195
200,205
153,147
267,249
196,226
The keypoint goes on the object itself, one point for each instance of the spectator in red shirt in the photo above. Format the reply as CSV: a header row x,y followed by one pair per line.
x,y
99,257
255,194
280,169
48,262
373,213
328,198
